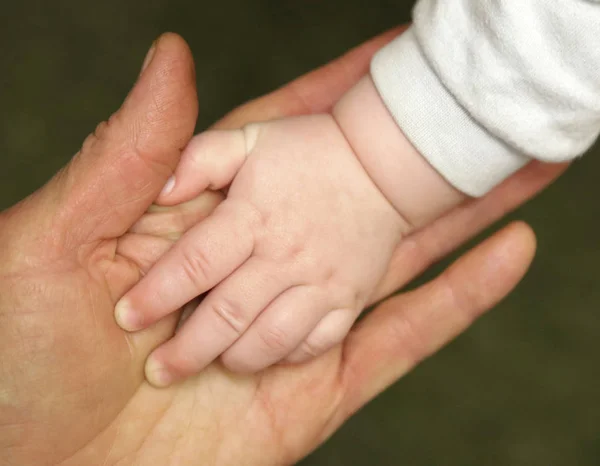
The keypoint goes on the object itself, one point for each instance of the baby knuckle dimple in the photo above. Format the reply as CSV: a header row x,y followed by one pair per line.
x,y
327,275
290,253
262,218
312,265
295,251
256,218
360,298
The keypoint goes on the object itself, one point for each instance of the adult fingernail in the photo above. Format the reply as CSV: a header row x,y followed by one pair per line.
x,y
157,374
149,56
169,185
126,317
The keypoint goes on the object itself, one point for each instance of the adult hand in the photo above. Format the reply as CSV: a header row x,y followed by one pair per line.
x,y
71,382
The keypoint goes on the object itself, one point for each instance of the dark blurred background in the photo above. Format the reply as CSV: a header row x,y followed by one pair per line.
x,y
520,388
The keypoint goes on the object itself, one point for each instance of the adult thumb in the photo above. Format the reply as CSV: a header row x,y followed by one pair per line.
x,y
123,165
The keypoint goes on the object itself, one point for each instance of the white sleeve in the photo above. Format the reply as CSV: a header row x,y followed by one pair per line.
x,y
480,87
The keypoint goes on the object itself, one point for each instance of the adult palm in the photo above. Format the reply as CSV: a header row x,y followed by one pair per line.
x,y
71,382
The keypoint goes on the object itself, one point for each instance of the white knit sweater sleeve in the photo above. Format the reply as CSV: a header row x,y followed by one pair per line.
x,y
480,87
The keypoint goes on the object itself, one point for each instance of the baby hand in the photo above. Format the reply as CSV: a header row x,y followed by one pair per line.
x,y
291,256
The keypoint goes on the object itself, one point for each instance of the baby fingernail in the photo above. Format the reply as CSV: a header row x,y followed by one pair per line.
x,y
126,317
157,374
170,184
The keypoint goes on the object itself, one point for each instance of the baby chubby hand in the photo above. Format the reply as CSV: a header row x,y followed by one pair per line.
x,y
290,257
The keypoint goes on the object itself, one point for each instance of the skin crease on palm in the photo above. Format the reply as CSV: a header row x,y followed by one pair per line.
x,y
72,390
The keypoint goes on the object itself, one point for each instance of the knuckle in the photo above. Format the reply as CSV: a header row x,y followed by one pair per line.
x,y
408,336
359,299
232,314
103,127
345,294
93,138
314,346
184,363
419,252
328,277
250,134
329,274
101,132
468,301
282,241
352,297
196,267
293,253
321,340
237,363
274,339
258,219
198,150
196,144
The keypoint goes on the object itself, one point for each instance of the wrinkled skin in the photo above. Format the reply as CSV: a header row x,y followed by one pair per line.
x,y
71,382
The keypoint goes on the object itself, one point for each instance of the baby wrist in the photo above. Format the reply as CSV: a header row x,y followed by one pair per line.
x,y
415,189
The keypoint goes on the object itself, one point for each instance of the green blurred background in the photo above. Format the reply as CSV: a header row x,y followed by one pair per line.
x,y
520,388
